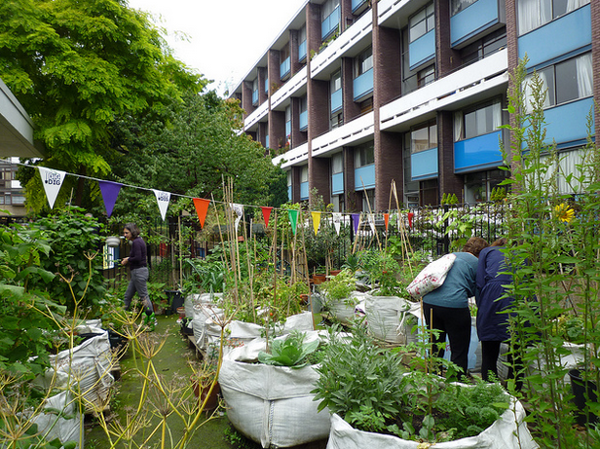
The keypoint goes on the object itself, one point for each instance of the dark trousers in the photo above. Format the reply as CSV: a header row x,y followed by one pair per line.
x,y
456,324
490,351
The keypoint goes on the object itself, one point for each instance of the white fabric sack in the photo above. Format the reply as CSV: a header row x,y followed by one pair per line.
x,y
343,310
384,315
500,435
431,277
271,405
58,427
204,315
88,364
200,298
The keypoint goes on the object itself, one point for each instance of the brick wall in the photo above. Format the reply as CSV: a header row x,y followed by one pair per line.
x,y
448,181
388,167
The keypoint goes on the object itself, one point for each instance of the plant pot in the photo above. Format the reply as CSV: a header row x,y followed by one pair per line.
x,y
213,400
334,272
113,242
318,278
583,390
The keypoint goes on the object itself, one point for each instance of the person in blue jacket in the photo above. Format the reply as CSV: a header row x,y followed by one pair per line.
x,y
492,318
447,307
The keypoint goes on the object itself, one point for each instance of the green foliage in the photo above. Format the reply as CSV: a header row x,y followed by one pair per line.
x,y
382,269
75,240
449,198
340,286
290,351
78,66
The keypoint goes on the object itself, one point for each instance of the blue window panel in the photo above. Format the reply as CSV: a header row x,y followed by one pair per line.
x,y
568,123
330,24
303,121
266,85
363,85
475,18
288,128
337,184
302,51
290,193
267,142
304,191
364,176
424,164
284,68
357,4
336,101
421,50
255,97
551,40
478,152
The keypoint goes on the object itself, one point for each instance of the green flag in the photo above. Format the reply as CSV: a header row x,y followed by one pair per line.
x,y
293,214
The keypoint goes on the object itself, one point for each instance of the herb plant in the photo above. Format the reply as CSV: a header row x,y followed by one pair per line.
x,y
291,351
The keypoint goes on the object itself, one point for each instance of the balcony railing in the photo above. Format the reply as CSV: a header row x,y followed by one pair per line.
x,y
330,24
284,68
336,101
363,84
303,121
302,51
255,97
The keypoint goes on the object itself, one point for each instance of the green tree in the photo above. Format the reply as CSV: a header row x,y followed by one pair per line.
x,y
77,67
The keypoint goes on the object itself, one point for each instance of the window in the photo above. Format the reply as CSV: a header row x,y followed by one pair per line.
x,y
284,53
532,14
288,124
478,186
328,7
566,81
457,6
364,62
364,155
255,91
289,178
337,163
302,34
304,174
336,81
426,76
337,120
484,47
484,119
423,137
368,200
421,23
303,104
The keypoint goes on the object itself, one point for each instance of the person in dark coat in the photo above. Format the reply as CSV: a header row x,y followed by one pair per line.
x,y
492,318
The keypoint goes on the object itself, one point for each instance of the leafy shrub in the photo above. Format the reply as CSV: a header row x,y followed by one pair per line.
x,y
291,351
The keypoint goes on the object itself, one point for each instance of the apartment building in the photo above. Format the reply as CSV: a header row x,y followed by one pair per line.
x,y
355,94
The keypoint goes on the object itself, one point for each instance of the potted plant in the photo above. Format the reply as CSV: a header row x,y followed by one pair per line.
x,y
340,296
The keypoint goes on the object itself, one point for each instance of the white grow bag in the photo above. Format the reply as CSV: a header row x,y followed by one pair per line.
x,y
343,310
384,317
53,426
87,368
500,435
272,405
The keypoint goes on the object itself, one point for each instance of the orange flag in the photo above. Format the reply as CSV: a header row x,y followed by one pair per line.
x,y
386,219
266,214
201,209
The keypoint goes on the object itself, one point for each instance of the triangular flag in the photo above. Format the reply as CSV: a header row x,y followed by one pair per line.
x,y
201,206
239,211
293,214
386,219
266,214
355,221
52,180
110,191
163,199
337,221
371,220
410,219
316,216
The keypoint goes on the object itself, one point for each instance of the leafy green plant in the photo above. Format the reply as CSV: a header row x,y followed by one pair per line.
x,y
340,286
291,351
382,269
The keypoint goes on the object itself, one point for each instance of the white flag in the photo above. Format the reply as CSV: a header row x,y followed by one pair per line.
x,y
371,219
52,180
239,211
337,221
162,198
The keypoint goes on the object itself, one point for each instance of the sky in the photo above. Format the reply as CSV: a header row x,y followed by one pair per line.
x,y
224,37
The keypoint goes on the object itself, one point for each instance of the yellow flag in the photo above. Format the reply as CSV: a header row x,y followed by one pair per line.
x,y
316,216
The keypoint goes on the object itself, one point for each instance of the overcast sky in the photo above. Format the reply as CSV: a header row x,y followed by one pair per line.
x,y
226,37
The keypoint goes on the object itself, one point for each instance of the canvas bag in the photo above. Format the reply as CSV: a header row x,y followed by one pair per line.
x,y
431,277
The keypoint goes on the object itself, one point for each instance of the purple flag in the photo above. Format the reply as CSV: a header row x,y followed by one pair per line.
x,y
110,190
355,221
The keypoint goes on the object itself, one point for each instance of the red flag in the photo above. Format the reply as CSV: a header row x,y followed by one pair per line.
x,y
386,219
266,214
201,209
410,219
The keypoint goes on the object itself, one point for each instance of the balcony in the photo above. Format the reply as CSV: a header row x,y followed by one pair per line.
x,y
567,123
302,51
472,20
356,4
288,129
478,153
304,121
284,68
304,191
424,164
330,24
364,177
254,97
421,50
336,101
337,184
363,85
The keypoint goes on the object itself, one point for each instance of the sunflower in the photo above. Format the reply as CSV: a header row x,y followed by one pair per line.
x,y
564,212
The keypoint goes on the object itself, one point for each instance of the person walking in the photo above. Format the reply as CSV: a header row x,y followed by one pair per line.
x,y
492,318
447,307
138,267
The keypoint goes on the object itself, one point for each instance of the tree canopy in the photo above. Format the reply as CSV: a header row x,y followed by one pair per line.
x,y
77,67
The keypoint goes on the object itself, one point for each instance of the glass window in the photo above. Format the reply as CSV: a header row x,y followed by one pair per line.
x,y
368,200
284,53
423,137
426,76
421,23
532,14
302,34
364,155
289,178
566,81
303,104
483,119
457,6
336,81
364,61
337,163
328,7
337,119
304,174
288,114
